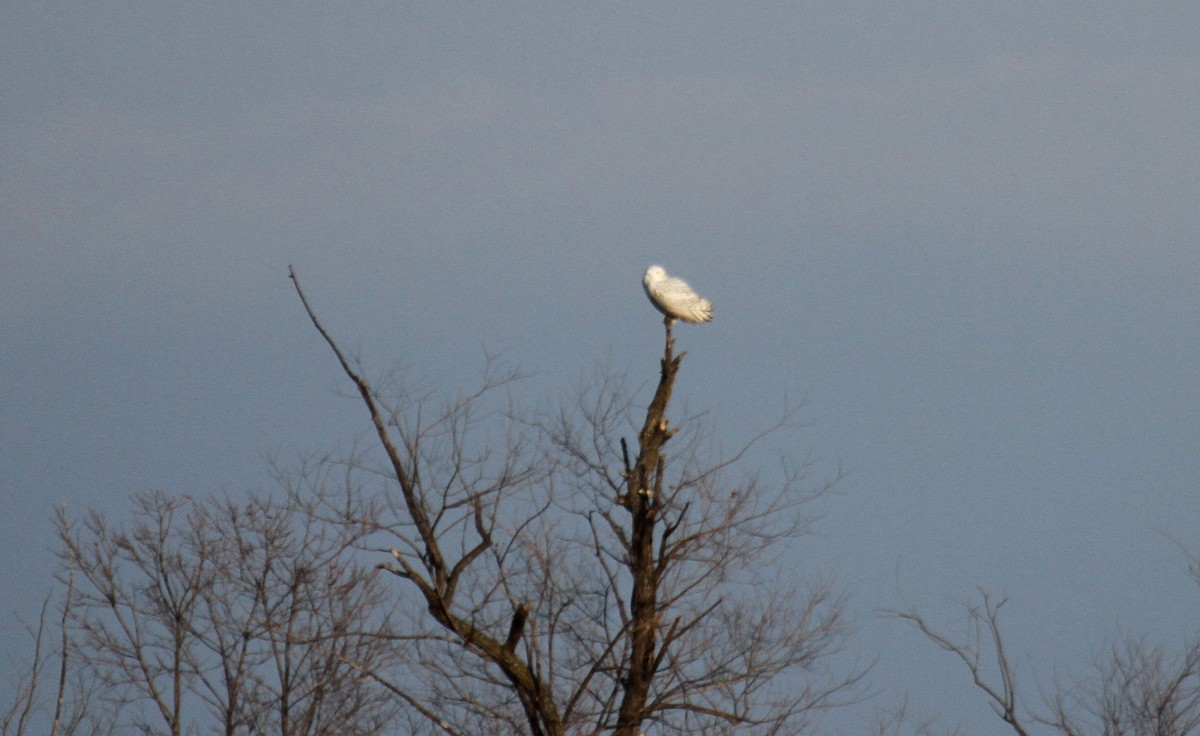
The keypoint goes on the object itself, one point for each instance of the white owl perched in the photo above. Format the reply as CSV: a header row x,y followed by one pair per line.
x,y
674,298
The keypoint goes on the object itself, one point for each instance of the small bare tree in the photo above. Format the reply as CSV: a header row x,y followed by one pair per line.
x,y
564,580
1142,690
72,709
1139,689
240,616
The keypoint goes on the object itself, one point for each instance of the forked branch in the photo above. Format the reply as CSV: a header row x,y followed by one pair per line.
x,y
497,649
983,623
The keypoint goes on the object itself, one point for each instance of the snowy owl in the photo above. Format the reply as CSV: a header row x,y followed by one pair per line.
x,y
674,298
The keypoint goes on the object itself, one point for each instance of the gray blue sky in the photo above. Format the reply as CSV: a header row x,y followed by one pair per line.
x,y
966,236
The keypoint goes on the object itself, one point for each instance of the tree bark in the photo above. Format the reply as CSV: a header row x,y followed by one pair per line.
x,y
643,501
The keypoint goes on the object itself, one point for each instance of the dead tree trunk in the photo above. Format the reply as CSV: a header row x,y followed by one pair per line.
x,y
644,500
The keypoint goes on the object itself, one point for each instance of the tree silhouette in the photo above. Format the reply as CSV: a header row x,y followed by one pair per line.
x,y
558,572
1137,689
239,615
562,581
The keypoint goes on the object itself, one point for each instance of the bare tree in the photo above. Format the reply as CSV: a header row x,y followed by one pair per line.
x,y
562,581
72,709
147,586
233,617
1138,689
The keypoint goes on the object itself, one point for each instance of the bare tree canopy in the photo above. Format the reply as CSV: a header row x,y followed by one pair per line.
x,y
564,579
479,567
556,572
240,615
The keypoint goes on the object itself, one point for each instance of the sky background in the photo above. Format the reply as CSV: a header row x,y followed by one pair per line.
x,y
964,237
